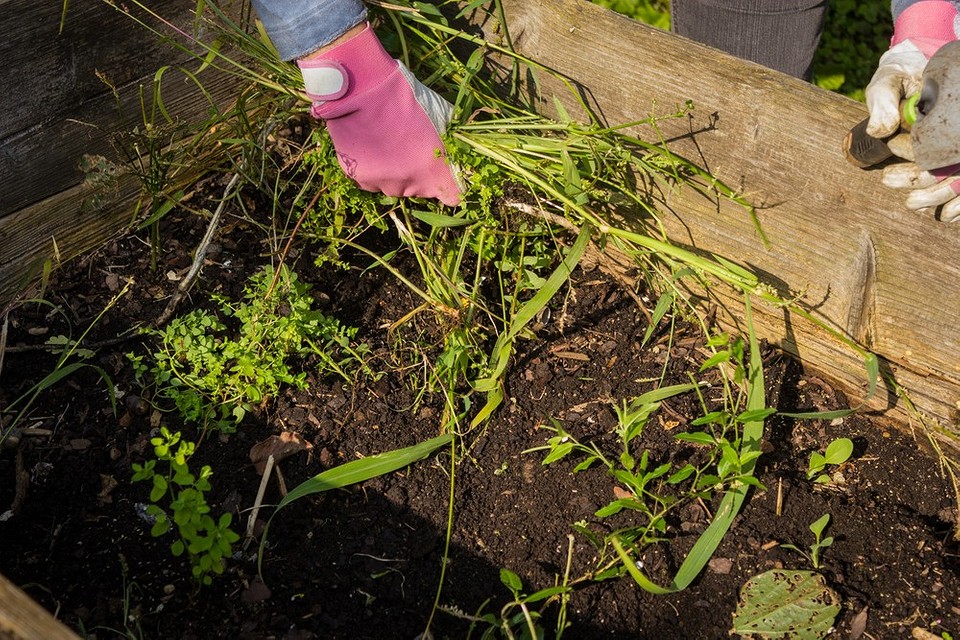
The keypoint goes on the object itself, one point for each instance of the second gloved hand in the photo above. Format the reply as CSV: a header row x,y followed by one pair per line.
x,y
384,123
920,31
928,189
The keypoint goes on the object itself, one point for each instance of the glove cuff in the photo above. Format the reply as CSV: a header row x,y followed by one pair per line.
x,y
350,68
928,25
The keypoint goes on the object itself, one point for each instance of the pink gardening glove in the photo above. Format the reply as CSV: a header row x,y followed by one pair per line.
x,y
385,124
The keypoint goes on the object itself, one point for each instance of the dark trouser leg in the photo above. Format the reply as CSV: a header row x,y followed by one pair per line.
x,y
780,34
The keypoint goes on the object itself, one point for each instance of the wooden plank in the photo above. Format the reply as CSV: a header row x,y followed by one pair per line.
x,y
55,71
35,234
76,217
60,109
862,262
23,619
46,159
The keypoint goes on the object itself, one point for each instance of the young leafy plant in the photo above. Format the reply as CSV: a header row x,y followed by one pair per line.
x,y
642,481
837,452
518,618
72,358
215,376
205,541
819,542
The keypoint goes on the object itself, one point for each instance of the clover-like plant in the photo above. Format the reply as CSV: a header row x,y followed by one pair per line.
x,y
207,542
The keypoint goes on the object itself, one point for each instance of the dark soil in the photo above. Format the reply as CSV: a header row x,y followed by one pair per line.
x,y
365,562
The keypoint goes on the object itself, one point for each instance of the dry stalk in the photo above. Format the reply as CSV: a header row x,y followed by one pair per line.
x,y
199,257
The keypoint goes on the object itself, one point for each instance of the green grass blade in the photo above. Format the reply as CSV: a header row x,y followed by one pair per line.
x,y
872,363
364,469
756,391
636,574
439,220
557,279
664,304
353,472
710,539
530,309
663,393
504,345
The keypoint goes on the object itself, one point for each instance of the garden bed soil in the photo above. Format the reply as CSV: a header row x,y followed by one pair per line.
x,y
365,562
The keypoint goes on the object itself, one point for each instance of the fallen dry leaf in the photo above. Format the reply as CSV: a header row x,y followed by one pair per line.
x,y
282,446
78,444
112,281
256,592
859,624
722,566
107,484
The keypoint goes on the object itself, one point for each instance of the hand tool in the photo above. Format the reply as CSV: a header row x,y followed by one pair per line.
x,y
932,117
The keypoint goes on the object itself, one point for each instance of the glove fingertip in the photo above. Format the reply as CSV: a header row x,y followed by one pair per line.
x,y
950,213
883,121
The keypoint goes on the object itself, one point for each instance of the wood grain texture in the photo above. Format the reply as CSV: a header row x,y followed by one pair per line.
x,y
23,619
60,111
881,273
46,159
67,224
55,107
54,72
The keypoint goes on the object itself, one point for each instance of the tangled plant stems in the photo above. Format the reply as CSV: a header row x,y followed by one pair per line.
x,y
565,177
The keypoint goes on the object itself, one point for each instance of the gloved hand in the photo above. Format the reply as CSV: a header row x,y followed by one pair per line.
x,y
384,123
928,189
920,30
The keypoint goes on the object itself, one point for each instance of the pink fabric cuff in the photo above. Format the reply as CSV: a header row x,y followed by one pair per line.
x,y
363,60
928,25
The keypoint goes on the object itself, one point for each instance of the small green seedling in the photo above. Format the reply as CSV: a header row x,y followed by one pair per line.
x,y
207,542
518,619
838,452
820,543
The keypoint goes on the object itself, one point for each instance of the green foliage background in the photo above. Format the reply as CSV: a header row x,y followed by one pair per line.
x,y
856,33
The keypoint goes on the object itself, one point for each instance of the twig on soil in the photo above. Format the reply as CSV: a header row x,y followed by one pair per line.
x,y
255,511
3,340
198,258
281,483
22,483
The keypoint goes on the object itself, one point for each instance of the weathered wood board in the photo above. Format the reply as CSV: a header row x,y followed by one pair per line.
x,y
884,275
55,107
56,110
23,619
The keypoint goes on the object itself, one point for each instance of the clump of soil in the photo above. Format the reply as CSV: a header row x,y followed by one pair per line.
x,y
366,562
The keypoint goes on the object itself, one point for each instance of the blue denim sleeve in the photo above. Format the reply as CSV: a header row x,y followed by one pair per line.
x,y
300,27
897,6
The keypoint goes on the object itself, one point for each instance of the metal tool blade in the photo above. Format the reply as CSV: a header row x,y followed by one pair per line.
x,y
936,134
